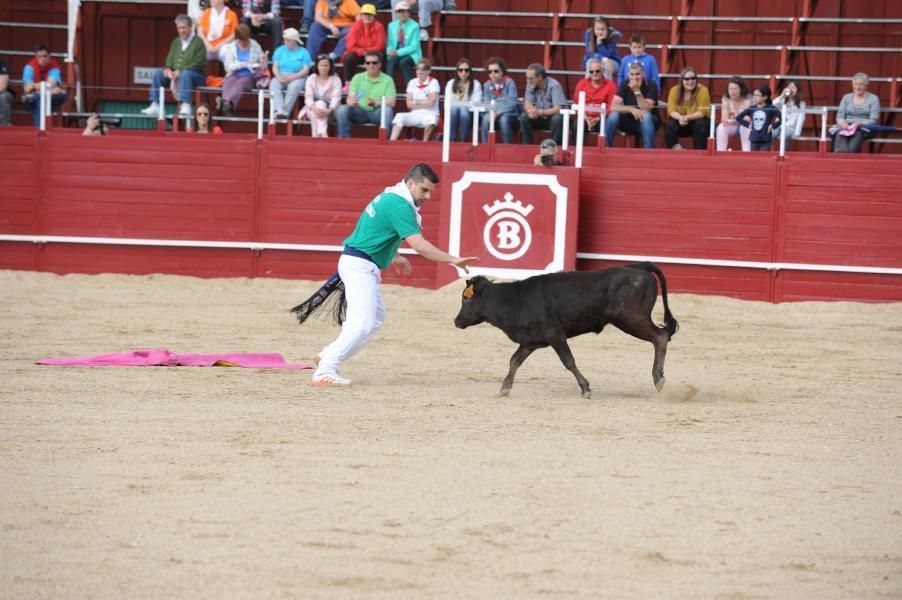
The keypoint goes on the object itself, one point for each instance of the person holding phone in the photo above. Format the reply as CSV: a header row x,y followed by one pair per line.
x,y
365,94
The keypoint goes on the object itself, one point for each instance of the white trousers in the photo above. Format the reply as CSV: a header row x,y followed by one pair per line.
x,y
366,312
419,117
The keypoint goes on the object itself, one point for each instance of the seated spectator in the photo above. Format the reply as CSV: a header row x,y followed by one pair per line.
x,y
502,91
216,28
464,90
186,63
856,111
761,117
322,96
601,44
202,120
6,96
243,60
637,54
333,17
263,16
542,104
633,108
598,91
422,102
689,112
290,67
735,100
365,94
403,47
41,68
795,110
424,10
366,34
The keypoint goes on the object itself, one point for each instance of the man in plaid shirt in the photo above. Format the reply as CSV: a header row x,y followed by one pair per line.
x,y
542,105
263,15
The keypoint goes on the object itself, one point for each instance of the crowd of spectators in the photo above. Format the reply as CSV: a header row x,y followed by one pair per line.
x,y
628,86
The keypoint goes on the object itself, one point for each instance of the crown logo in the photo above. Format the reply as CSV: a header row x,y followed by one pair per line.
x,y
508,204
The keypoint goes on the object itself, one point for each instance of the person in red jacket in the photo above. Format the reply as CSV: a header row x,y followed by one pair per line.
x,y
367,34
598,91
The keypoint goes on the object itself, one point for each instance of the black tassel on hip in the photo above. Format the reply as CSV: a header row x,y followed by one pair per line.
x,y
332,294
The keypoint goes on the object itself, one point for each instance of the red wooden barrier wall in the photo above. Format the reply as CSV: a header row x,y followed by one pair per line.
x,y
731,206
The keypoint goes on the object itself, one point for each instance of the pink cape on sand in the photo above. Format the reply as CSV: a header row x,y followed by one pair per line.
x,y
165,358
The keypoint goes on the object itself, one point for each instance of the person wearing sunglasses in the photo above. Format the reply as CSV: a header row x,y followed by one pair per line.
x,y
501,91
422,103
403,49
202,122
598,91
364,102
464,90
689,112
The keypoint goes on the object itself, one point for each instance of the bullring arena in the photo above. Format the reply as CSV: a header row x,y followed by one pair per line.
x,y
769,466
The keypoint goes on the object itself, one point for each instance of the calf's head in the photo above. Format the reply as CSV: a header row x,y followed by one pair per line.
x,y
472,309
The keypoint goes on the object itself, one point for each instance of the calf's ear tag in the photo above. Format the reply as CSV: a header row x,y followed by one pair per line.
x,y
468,293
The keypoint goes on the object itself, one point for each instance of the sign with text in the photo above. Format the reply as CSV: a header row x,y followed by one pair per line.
x,y
143,75
519,221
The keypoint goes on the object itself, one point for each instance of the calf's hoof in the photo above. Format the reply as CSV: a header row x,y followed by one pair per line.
x,y
660,383
504,393
587,394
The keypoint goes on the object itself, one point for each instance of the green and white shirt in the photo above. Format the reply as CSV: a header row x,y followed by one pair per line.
x,y
388,218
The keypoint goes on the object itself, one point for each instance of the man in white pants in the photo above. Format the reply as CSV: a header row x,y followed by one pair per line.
x,y
392,216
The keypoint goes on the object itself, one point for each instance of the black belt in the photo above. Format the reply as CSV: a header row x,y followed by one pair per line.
x,y
359,254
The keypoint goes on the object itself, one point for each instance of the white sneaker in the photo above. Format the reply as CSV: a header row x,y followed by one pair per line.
x,y
325,379
185,110
153,110
424,35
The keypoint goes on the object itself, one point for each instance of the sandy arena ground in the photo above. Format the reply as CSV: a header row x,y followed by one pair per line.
x,y
769,467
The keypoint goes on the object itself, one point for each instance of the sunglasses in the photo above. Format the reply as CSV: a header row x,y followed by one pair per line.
x,y
371,62
402,10
593,71
690,78
494,70
203,114
463,70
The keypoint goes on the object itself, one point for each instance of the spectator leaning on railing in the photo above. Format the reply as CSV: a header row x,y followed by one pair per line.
x,y
6,96
186,63
856,111
42,68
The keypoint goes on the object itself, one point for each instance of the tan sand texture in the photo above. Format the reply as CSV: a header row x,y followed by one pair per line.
x,y
769,467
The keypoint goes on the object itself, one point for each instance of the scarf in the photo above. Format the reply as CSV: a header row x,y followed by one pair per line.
x,y
461,89
497,88
401,190
217,23
423,86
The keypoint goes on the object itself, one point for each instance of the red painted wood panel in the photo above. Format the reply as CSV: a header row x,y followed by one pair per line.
x,y
18,181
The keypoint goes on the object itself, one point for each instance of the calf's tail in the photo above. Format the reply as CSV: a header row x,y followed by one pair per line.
x,y
670,324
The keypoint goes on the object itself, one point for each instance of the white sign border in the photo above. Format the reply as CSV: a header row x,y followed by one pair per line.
x,y
549,181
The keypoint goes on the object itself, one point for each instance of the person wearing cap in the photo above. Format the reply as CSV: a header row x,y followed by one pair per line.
x,y
403,48
290,66
424,10
367,34
547,155
422,102
186,63
332,17
263,16
365,94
